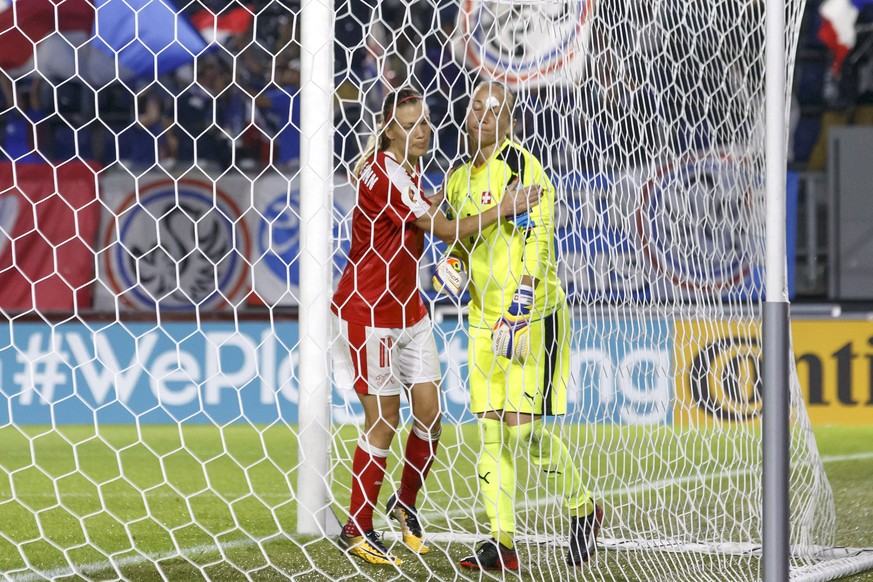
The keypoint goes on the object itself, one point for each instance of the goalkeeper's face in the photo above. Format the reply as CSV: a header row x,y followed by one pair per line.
x,y
409,131
488,119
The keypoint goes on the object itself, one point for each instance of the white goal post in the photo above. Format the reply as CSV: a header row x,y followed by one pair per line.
x,y
776,441
313,515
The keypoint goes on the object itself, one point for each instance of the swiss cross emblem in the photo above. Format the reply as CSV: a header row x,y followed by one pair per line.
x,y
486,197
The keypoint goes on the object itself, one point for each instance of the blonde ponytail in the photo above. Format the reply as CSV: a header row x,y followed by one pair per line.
x,y
369,151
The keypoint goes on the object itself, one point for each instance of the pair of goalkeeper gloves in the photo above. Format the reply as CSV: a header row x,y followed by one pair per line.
x,y
509,337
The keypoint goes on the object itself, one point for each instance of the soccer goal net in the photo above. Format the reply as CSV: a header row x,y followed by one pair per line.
x,y
156,253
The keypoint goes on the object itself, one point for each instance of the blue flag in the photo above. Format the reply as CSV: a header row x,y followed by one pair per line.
x,y
150,37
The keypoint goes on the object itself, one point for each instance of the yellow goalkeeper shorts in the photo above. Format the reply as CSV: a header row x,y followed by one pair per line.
x,y
538,385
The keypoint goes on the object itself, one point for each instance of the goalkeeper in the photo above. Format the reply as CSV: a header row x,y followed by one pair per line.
x,y
519,327
385,343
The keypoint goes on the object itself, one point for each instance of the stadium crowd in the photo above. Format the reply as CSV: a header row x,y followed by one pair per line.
x,y
237,105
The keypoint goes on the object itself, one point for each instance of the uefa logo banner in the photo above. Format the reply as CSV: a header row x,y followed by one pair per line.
x,y
684,229
275,226
521,42
697,228
174,245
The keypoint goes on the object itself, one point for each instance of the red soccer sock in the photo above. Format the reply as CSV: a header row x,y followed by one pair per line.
x,y
368,470
420,454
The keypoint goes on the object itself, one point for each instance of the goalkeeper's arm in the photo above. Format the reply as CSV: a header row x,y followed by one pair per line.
x,y
514,201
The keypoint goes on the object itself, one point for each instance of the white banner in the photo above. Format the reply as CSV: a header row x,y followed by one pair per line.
x,y
174,243
683,229
275,227
524,43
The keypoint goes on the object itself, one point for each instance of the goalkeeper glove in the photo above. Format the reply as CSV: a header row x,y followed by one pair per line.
x,y
450,276
509,338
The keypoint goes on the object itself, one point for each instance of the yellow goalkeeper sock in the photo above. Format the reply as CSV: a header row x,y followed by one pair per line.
x,y
550,454
496,469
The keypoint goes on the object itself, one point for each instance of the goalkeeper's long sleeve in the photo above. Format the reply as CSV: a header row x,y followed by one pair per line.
x,y
539,240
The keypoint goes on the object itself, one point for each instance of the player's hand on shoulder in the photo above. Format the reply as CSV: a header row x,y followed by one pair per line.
x,y
510,338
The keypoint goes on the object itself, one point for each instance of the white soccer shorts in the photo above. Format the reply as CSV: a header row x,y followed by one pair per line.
x,y
382,360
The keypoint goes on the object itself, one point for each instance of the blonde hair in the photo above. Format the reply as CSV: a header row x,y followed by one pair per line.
x,y
379,141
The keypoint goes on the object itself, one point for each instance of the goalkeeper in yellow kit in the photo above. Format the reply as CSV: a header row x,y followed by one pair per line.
x,y
519,326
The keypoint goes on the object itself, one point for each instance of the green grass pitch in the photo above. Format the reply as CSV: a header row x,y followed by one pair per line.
x,y
164,494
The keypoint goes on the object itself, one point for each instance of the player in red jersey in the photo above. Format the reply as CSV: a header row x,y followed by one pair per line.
x,y
385,342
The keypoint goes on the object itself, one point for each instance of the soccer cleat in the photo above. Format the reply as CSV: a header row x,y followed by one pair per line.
x,y
369,548
492,556
410,527
583,536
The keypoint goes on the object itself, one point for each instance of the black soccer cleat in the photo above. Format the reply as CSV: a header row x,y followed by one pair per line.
x,y
583,537
492,556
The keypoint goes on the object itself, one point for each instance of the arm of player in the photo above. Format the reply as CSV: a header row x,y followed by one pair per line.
x,y
539,239
515,201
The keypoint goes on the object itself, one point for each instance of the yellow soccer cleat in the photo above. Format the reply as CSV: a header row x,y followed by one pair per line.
x,y
368,547
410,527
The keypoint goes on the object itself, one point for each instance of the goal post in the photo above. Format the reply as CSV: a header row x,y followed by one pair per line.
x,y
776,432
314,515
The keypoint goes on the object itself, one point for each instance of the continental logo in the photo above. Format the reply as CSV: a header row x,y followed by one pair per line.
x,y
718,371
724,379
845,386
835,368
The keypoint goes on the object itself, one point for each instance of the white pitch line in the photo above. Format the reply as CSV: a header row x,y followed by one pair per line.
x,y
95,567
646,487
642,488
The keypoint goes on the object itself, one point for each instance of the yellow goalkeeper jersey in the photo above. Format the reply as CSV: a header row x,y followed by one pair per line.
x,y
502,253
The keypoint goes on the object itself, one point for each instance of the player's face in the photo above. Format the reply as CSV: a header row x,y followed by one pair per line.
x,y
409,131
488,119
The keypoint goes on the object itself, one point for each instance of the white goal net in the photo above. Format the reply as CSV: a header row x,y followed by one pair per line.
x,y
152,242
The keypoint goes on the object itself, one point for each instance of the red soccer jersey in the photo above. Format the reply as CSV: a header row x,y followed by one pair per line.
x,y
379,286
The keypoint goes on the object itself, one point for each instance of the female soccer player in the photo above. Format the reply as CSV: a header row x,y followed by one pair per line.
x,y
519,327
385,341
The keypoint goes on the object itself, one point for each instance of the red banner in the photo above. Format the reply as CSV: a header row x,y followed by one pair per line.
x,y
48,229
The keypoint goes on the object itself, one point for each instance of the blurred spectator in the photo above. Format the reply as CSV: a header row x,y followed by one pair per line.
x,y
253,62
280,106
847,98
352,22
65,111
205,118
144,143
19,116
444,83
